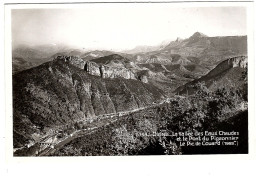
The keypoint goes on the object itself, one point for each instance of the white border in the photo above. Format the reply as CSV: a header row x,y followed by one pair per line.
x,y
143,165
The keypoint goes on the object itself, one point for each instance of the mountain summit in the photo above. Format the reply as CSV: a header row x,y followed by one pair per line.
x,y
198,35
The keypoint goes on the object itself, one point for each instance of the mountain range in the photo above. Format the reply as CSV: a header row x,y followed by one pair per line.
x,y
54,86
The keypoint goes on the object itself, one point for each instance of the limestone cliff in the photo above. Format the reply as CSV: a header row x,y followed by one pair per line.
x,y
100,70
238,62
115,72
92,68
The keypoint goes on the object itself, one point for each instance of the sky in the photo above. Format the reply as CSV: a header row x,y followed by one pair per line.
x,y
122,26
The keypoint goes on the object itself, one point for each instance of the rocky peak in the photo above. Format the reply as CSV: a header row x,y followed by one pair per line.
x,y
198,35
73,60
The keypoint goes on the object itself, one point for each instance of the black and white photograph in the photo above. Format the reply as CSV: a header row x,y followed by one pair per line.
x,y
129,79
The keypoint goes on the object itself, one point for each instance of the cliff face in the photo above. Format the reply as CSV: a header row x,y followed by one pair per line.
x,y
100,70
104,71
238,62
59,92
92,68
112,66
109,72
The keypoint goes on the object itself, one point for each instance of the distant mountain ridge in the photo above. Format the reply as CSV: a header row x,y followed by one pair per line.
x,y
173,65
210,50
146,48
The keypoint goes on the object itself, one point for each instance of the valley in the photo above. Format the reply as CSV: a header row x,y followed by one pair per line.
x,y
63,95
56,138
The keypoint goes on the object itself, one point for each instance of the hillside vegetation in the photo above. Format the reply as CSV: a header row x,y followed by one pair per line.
x,y
57,93
227,73
141,133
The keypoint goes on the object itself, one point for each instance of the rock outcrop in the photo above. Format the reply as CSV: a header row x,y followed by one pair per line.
x,y
238,62
74,60
115,72
100,70
104,71
92,68
144,79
